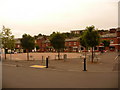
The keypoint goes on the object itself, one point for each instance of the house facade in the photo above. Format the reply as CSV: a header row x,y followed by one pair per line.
x,y
114,37
73,44
18,47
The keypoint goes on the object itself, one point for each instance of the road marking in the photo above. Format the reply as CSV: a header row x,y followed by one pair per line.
x,y
38,66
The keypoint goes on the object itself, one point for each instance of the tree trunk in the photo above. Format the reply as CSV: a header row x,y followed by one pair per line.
x,y
5,56
5,53
27,55
58,55
92,55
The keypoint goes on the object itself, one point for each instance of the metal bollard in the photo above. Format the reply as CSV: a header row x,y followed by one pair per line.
x,y
84,64
47,62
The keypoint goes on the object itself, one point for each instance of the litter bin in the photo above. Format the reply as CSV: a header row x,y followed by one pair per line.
x,y
65,56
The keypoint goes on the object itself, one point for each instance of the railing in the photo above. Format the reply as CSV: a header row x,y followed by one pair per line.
x,y
116,59
115,63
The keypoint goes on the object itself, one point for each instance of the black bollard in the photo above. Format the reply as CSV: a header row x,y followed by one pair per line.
x,y
84,64
47,62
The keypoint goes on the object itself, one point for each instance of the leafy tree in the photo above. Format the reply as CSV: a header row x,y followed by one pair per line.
x,y
39,35
106,43
8,41
37,47
91,38
58,42
83,41
28,43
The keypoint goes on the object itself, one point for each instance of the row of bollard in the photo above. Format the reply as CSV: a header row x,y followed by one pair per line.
x,y
46,62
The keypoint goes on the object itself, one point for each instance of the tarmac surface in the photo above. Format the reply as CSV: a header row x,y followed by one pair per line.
x,y
62,73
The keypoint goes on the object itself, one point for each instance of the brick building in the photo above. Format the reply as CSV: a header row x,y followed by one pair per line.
x,y
18,47
72,45
40,42
114,37
118,38
77,31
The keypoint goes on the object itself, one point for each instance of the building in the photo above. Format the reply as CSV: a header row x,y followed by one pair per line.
x,y
114,37
77,31
18,47
118,38
72,45
47,46
39,42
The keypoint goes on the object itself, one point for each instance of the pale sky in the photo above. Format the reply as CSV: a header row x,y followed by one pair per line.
x,y
45,16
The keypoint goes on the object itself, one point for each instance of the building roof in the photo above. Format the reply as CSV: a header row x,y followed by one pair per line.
x,y
118,29
47,41
77,30
109,35
72,39
17,40
40,37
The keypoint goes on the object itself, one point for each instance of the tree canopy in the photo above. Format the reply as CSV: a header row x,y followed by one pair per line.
x,y
90,38
106,43
58,41
8,41
28,43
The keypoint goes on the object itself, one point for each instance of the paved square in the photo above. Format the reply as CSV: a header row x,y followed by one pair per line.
x,y
62,73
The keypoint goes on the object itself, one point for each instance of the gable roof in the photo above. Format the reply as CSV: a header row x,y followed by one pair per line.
x,y
72,39
109,35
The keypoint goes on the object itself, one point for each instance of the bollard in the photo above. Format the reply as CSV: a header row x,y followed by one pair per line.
x,y
49,57
84,64
42,59
47,62
65,57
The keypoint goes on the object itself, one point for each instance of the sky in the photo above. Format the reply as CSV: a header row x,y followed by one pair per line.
x,y
46,16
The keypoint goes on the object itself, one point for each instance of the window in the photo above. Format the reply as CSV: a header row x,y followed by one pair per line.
x,y
66,43
69,43
74,43
18,46
112,48
111,41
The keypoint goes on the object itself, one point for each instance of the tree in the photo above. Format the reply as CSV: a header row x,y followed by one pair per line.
x,y
8,41
37,47
91,38
83,41
28,43
106,43
39,35
58,42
